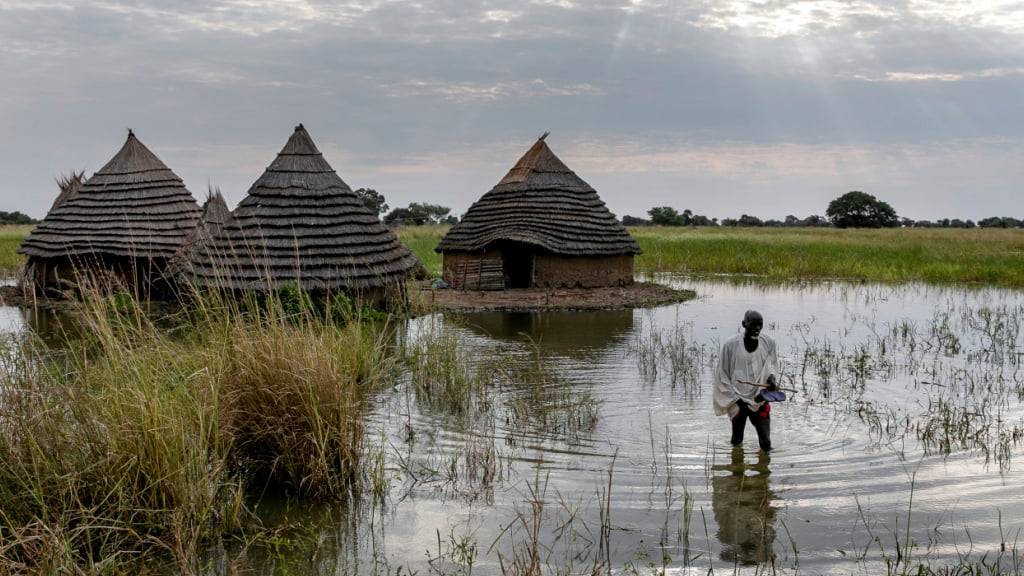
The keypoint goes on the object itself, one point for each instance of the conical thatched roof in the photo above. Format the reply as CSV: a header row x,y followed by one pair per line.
x,y
541,202
69,187
301,223
215,216
134,206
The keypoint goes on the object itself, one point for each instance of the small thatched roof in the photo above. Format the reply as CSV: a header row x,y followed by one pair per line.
x,y
69,187
301,223
215,216
544,203
134,206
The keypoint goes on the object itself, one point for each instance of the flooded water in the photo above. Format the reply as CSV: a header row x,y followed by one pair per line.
x,y
905,428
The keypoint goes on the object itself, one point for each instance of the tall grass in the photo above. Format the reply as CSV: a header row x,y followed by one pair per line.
x,y
989,256
142,442
986,256
422,240
11,236
889,255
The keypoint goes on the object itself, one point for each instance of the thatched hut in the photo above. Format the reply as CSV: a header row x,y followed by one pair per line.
x,y
215,216
301,224
126,221
541,226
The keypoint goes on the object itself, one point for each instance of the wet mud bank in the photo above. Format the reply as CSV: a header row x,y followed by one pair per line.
x,y
14,295
639,295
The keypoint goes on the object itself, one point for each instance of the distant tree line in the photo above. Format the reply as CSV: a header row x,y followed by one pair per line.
x,y
415,214
851,210
668,216
854,209
812,221
16,218
991,222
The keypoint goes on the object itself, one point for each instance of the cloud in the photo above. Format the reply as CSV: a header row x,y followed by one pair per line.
x,y
1003,15
244,17
774,19
437,98
466,92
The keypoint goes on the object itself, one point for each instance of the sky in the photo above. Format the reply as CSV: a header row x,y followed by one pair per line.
x,y
763,107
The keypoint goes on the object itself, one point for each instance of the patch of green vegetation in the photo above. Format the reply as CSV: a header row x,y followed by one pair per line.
x,y
989,256
10,238
137,442
422,240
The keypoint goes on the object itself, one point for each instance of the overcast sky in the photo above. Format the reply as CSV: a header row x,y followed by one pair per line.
x,y
767,107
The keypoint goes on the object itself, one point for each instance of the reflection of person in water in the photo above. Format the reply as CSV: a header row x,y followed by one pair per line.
x,y
741,501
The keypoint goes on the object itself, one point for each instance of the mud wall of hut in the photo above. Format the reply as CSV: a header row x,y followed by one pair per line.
x,y
554,271
483,271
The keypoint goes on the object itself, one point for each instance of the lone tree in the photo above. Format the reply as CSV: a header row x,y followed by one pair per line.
x,y
861,210
373,200
665,216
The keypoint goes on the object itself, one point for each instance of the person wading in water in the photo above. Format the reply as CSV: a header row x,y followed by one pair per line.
x,y
746,367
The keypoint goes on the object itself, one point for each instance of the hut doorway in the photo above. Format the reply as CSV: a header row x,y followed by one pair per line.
x,y
517,265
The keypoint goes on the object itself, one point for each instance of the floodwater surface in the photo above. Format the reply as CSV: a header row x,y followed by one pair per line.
x,y
593,443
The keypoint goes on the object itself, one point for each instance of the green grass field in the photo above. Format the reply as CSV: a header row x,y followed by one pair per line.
x,y
422,240
10,238
986,256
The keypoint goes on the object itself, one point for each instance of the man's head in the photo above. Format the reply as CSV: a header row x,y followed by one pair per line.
x,y
752,324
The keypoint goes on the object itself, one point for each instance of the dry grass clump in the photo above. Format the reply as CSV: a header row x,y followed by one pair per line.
x,y
293,400
141,442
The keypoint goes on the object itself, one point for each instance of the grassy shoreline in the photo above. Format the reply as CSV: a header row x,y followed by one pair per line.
x,y
988,256
134,443
10,238
938,256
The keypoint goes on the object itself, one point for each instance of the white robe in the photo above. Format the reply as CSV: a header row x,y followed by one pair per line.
x,y
735,364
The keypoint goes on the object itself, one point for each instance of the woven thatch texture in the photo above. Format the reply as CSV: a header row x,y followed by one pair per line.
x,y
135,206
544,203
69,187
215,216
301,223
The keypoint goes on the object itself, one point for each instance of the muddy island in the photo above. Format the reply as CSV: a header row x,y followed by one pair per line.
x,y
636,295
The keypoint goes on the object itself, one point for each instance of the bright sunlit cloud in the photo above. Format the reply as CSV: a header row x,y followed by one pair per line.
x,y
434,100
774,19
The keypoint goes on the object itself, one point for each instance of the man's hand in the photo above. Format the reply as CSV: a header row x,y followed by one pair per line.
x,y
772,386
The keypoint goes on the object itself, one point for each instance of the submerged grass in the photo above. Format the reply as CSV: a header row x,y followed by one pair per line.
x,y
140,443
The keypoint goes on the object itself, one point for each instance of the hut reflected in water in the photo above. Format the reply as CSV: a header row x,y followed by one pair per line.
x,y
571,334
